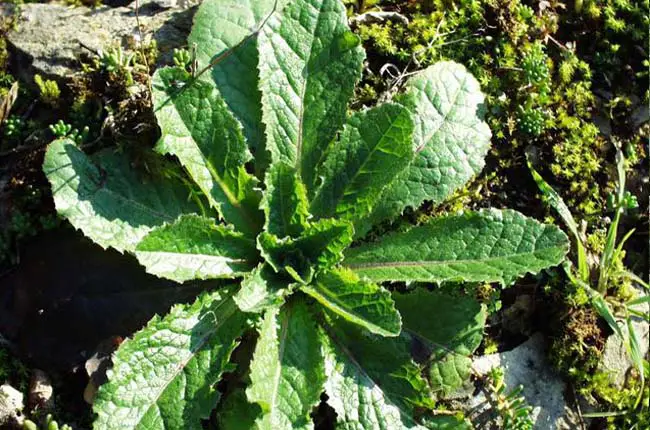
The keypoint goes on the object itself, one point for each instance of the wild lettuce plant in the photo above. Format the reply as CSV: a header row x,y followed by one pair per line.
x,y
273,79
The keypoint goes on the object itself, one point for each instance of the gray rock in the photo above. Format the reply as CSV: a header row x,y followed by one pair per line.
x,y
41,392
50,37
11,406
543,388
616,360
640,116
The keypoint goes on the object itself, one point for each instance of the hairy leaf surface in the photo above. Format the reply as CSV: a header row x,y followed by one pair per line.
x,y
225,33
199,129
236,413
449,339
360,302
261,290
485,246
285,202
319,247
372,381
287,371
165,376
104,197
373,148
308,70
451,139
194,247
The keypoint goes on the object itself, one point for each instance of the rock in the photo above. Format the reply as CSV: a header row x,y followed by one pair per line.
x,y
378,17
50,37
616,360
516,318
543,388
97,365
604,124
11,406
640,116
40,392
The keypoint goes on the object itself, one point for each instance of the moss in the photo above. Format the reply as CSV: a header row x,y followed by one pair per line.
x,y
13,371
576,351
539,89
629,405
49,91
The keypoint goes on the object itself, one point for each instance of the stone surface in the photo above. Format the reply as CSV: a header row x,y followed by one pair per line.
x,y
616,360
50,37
11,405
543,389
41,393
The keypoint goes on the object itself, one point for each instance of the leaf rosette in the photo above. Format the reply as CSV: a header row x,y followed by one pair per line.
x,y
279,183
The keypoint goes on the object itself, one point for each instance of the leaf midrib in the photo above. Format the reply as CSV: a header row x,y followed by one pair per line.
x,y
443,120
234,202
282,340
102,188
413,263
347,353
215,258
303,90
198,345
335,303
342,194
142,207
216,177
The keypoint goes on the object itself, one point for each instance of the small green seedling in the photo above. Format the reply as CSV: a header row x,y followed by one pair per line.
x,y
116,60
513,410
49,424
49,91
14,127
61,129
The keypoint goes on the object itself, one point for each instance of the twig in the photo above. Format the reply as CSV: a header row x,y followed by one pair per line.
x,y
20,149
144,55
552,39
88,48
578,408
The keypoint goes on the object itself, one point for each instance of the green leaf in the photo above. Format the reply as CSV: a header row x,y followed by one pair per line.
x,y
446,422
198,128
104,197
449,339
285,202
325,240
261,290
308,70
448,373
224,32
285,256
165,376
360,302
638,301
236,413
194,247
287,371
372,382
485,246
603,309
373,148
451,139
319,247
556,202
